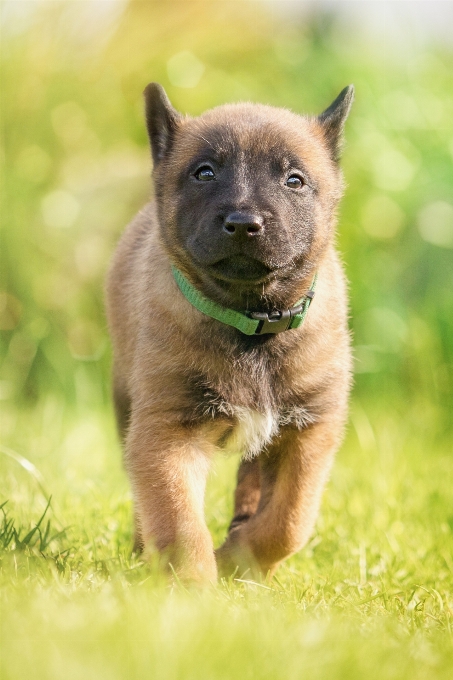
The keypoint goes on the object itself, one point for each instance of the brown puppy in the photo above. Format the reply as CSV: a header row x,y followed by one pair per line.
x,y
243,222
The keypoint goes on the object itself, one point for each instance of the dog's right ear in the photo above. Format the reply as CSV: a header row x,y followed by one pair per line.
x,y
161,120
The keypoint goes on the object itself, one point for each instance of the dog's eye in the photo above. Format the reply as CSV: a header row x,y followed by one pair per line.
x,y
294,182
205,173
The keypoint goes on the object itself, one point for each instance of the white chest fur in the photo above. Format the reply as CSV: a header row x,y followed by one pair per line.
x,y
252,431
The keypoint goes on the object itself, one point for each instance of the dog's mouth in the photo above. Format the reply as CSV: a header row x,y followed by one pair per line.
x,y
240,269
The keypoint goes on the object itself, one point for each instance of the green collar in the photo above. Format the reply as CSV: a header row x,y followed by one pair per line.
x,y
249,323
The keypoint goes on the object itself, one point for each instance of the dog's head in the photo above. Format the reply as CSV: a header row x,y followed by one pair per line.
x,y
246,194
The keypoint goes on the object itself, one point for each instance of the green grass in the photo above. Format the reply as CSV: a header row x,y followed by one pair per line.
x,y
370,596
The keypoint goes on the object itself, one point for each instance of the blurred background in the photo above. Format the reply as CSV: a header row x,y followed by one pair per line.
x,y
76,168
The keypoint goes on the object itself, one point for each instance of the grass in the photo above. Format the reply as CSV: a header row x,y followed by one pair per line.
x,y
370,596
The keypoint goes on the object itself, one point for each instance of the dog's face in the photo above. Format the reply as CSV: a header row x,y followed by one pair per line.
x,y
246,193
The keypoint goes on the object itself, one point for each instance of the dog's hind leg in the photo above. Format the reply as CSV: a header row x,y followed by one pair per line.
x,y
247,494
122,403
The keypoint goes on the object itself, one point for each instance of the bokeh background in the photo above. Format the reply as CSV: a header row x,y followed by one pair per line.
x,y
76,169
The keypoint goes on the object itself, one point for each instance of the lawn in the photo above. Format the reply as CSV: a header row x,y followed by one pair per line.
x,y
371,596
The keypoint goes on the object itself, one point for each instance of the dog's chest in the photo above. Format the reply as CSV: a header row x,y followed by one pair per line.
x,y
250,432
254,415
253,430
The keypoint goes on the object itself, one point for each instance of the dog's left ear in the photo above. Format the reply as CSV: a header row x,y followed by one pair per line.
x,y
161,120
333,119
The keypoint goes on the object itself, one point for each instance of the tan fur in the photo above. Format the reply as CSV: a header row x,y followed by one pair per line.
x,y
285,411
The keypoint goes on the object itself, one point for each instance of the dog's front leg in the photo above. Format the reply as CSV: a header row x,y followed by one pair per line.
x,y
168,466
293,473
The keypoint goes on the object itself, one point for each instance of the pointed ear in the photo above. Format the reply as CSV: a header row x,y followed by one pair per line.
x,y
333,119
161,120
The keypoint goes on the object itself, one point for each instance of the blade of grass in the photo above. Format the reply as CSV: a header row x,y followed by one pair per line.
x,y
28,466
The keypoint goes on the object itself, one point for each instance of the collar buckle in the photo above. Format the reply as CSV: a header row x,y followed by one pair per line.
x,y
275,322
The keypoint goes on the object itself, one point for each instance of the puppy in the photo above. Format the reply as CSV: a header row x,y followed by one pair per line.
x,y
227,309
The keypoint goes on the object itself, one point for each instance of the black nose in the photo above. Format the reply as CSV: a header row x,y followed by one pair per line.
x,y
243,224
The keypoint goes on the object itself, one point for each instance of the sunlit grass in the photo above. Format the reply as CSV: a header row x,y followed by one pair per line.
x,y
370,596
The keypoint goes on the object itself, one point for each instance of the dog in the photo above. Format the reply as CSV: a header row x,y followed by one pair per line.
x,y
227,307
